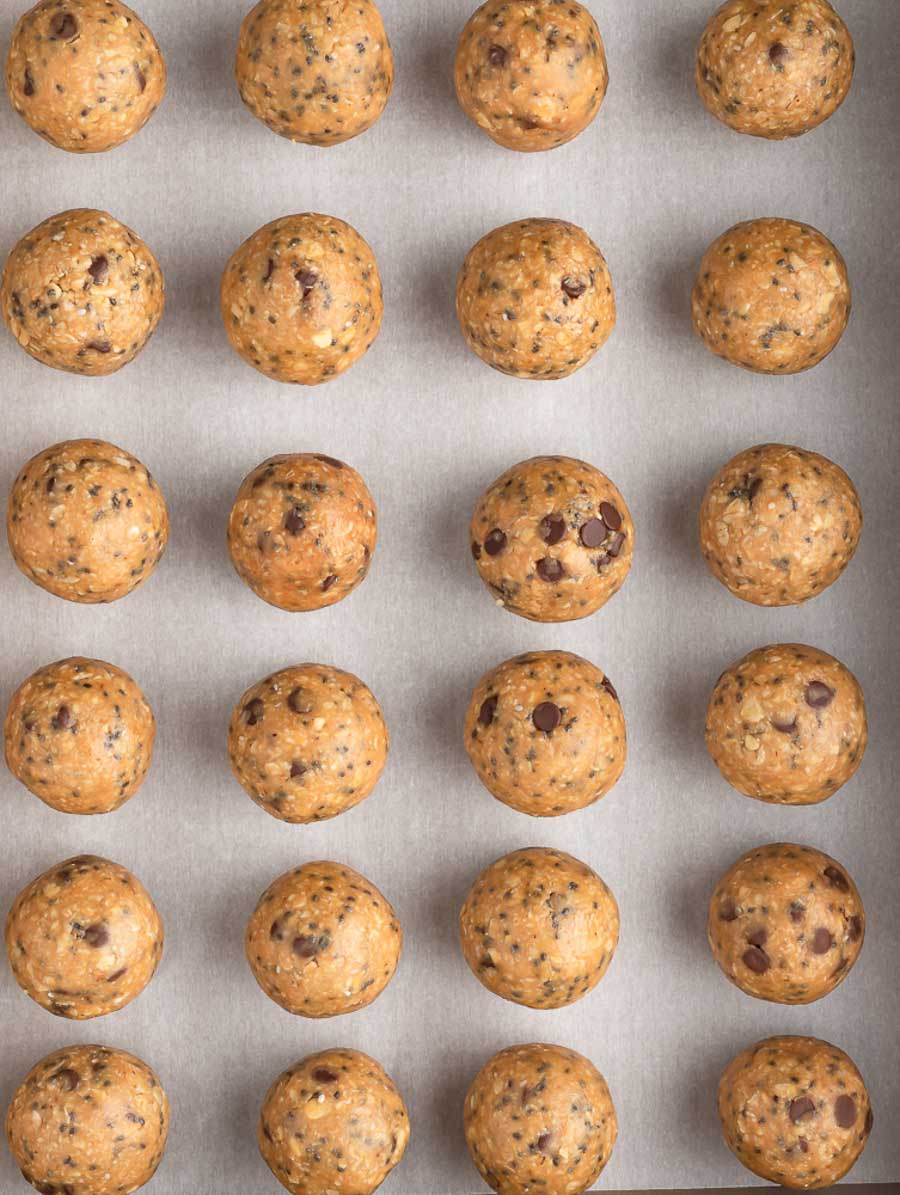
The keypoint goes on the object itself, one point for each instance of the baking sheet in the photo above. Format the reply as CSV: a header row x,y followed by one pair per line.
x,y
429,426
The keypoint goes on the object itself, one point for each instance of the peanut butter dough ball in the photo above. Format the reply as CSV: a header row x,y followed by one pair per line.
x,y
778,524
546,734
334,1122
84,74
308,743
787,725
795,1111
772,296
552,539
535,300
117,1118
82,293
531,75
301,299
773,69
317,71
786,923
84,938
302,531
539,1118
86,521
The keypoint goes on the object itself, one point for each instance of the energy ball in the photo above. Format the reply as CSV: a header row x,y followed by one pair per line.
x,y
535,300
778,524
302,531
84,74
302,300
546,734
787,725
786,923
772,296
539,928
317,71
82,293
86,521
773,69
84,939
795,1111
539,1117
531,75
323,941
308,743
334,1122
117,1116
552,539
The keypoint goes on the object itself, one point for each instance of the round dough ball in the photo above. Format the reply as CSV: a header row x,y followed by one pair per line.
x,y
302,531
82,293
532,75
121,1115
323,941
772,69
302,300
84,74
539,928
552,539
86,521
787,724
308,743
772,296
546,734
786,923
534,299
539,1117
778,524
334,1122
317,71
795,1111
84,938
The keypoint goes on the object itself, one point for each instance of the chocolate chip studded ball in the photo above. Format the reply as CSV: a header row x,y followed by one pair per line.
x,y
531,75
86,521
301,299
787,725
795,1111
535,300
323,941
772,296
116,1116
333,1124
539,1118
85,74
778,524
773,69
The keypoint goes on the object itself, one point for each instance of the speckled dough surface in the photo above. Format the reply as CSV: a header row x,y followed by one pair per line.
x,y
772,296
301,299
88,1120
323,941
786,923
85,74
333,1124
552,539
795,1111
774,69
82,293
317,71
86,521
778,524
531,73
534,299
539,1118
787,724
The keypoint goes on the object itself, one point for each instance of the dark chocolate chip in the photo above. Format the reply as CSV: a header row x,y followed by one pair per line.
x,y
610,516
593,533
610,688
476,550
328,582
270,270
67,1078
797,1109
296,703
870,1119
487,711
797,911
728,911
63,27
547,716
323,1075
99,346
573,287
141,78
62,718
855,929
845,1111
785,727
818,695
757,960
329,460
305,946
615,545
294,522
96,935
759,937
253,711
495,542
543,1142
28,84
298,769
822,941
551,529
753,487
803,1145
498,56
837,879
307,280
99,269
550,570
778,51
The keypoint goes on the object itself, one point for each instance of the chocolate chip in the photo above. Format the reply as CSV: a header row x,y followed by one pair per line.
x,y
573,287
551,529
28,84
498,56
495,542
728,911
294,522
323,1075
63,27
610,688
305,946
141,78
298,769
778,51
837,879
797,1109
785,727
550,570
296,704
329,460
476,550
253,711
870,1119
822,941
543,1142
307,280
487,711
818,695
803,1145
62,718
547,716
759,937
615,545
99,346
117,975
855,929
270,270
593,533
753,487
328,582
610,516
757,960
845,1111
99,269
67,1078
96,935
797,911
